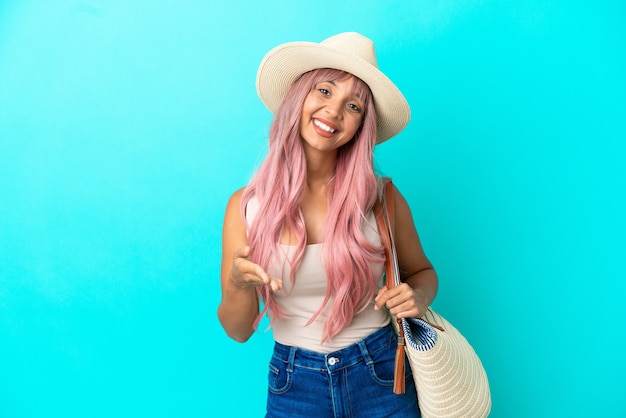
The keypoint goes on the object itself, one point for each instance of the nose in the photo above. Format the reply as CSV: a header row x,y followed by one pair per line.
x,y
333,108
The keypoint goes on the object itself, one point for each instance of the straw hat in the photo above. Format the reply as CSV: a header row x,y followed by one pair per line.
x,y
350,52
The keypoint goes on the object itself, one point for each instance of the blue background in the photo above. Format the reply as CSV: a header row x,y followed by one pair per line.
x,y
125,126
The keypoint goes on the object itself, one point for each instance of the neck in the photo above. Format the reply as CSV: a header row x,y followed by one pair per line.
x,y
319,175
320,166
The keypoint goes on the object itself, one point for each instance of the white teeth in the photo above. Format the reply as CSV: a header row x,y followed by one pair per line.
x,y
323,126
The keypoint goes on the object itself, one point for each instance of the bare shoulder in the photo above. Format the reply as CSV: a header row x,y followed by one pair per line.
x,y
233,222
233,207
402,211
235,198
410,252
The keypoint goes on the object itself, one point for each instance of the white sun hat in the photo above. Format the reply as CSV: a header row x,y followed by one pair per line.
x,y
350,52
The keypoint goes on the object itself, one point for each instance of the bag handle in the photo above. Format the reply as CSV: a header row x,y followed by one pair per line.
x,y
384,212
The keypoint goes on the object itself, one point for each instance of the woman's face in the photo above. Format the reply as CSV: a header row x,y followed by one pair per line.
x,y
331,115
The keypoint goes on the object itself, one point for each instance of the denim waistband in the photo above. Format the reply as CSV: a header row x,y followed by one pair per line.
x,y
384,338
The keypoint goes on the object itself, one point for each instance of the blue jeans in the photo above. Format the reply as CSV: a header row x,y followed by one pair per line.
x,y
355,382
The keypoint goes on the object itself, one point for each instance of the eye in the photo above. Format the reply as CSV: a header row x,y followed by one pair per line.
x,y
354,107
324,91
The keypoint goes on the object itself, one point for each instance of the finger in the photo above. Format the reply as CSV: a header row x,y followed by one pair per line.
x,y
248,267
242,252
380,299
384,294
380,292
405,310
276,285
246,273
257,274
402,299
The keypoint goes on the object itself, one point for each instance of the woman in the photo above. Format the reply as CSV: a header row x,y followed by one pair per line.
x,y
300,242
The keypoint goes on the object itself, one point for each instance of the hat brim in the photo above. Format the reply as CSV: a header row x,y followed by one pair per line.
x,y
283,65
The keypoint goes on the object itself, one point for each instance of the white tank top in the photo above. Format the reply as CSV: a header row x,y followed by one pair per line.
x,y
301,301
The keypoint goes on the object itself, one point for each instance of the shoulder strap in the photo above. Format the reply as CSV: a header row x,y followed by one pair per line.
x,y
384,211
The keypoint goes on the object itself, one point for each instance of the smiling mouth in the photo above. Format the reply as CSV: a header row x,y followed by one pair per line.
x,y
324,127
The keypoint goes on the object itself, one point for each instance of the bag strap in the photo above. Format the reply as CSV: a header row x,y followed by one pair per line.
x,y
384,212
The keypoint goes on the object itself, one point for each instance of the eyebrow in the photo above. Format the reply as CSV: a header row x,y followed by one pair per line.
x,y
353,93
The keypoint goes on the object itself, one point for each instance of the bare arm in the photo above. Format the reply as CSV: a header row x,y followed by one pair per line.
x,y
240,277
420,282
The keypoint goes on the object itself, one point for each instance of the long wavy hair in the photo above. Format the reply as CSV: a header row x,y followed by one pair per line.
x,y
279,184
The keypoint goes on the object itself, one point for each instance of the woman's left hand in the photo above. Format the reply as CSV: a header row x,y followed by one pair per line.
x,y
402,301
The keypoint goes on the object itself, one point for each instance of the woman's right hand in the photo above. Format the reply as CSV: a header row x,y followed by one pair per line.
x,y
246,274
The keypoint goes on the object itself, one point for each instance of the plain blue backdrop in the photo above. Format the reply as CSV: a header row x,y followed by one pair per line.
x,y
126,125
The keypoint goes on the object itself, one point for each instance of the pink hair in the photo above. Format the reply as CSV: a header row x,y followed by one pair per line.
x,y
278,185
